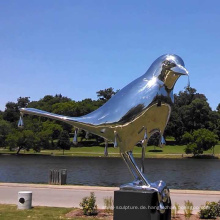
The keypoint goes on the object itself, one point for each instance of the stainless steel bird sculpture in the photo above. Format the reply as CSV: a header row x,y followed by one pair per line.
x,y
133,115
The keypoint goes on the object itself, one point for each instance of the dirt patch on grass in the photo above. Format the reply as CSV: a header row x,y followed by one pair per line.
x,y
78,213
182,217
101,214
192,217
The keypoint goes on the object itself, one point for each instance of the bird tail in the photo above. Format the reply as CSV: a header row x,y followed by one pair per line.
x,y
74,121
33,111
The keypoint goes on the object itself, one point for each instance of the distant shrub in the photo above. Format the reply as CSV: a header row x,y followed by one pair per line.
x,y
88,204
187,138
190,148
200,140
211,210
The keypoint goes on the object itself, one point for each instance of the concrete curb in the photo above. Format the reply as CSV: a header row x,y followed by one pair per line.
x,y
89,188
101,188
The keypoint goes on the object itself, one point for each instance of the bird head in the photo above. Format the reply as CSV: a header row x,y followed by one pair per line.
x,y
168,68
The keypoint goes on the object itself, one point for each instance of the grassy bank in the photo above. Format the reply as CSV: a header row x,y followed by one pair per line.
x,y
9,212
169,151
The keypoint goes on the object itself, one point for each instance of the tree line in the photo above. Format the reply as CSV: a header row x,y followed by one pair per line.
x,y
191,119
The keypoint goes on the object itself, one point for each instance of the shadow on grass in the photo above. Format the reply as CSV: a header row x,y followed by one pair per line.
x,y
155,151
87,144
109,145
205,157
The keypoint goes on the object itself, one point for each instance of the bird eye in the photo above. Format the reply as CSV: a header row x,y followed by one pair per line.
x,y
167,63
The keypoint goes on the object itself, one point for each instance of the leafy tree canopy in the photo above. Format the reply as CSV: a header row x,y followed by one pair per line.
x,y
200,140
22,102
11,112
218,108
5,129
48,101
191,111
64,141
23,139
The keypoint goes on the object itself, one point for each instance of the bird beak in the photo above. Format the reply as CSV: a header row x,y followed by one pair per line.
x,y
179,70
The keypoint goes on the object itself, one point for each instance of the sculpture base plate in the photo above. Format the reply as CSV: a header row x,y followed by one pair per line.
x,y
141,205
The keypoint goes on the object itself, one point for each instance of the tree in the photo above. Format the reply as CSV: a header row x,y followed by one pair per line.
x,y
88,105
191,148
12,140
214,124
196,115
75,109
175,127
187,96
154,140
11,112
43,138
5,129
33,123
105,94
48,101
65,108
27,140
23,102
200,140
52,129
187,138
64,141
190,112
24,139
218,108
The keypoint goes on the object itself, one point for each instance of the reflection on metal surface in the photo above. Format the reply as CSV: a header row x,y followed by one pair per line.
x,y
106,148
142,155
116,139
20,122
135,113
145,134
87,135
162,141
75,138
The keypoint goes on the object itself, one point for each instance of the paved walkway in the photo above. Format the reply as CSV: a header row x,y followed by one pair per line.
x,y
71,196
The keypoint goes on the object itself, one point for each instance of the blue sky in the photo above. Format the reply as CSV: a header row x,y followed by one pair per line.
x,y
77,47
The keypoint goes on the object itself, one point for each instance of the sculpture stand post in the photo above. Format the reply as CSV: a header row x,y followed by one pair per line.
x,y
141,205
141,199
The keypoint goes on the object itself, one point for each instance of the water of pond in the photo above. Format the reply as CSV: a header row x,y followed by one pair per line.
x,y
177,173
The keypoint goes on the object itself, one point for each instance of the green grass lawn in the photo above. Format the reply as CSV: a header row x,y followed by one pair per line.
x,y
10,212
174,151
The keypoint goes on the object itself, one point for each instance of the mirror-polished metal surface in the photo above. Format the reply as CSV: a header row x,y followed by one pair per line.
x,y
133,114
